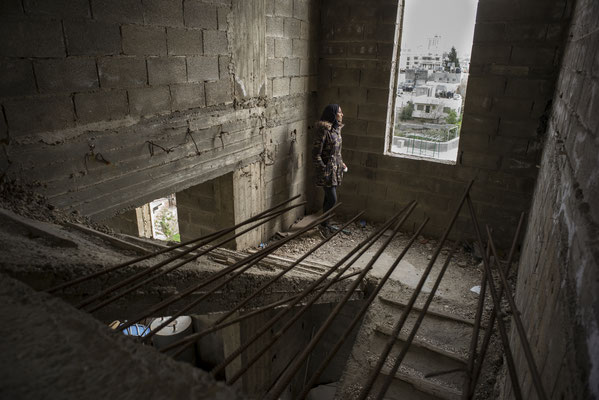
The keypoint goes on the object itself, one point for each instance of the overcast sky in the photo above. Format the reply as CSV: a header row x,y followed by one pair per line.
x,y
452,19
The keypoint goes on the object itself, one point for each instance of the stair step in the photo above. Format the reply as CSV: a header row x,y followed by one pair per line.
x,y
424,358
437,313
406,386
456,357
444,330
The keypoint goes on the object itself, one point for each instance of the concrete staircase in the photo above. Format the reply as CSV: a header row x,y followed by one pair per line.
x,y
441,344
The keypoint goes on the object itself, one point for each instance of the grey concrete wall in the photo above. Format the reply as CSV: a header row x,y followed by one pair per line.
x,y
109,105
515,61
558,290
206,208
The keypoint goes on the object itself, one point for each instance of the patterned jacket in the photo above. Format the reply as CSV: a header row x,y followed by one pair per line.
x,y
326,155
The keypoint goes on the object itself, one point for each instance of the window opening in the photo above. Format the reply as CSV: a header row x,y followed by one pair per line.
x,y
427,97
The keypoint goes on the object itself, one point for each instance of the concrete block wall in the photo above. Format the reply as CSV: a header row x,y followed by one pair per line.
x,y
511,84
558,291
109,105
206,208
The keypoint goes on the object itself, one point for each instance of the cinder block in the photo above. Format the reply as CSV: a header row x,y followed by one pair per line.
x,y
363,50
372,112
31,39
275,26
101,106
222,15
308,66
218,92
526,31
149,101
69,8
513,107
378,96
345,77
269,6
166,70
274,67
184,41
374,79
486,85
291,66
301,9
480,123
202,68
379,32
300,48
489,54
122,72
270,47
40,114
66,75
376,128
489,32
223,67
283,47
92,38
17,78
215,42
480,160
280,87
200,15
144,40
163,12
298,85
186,96
284,8
533,56
123,11
349,33
292,28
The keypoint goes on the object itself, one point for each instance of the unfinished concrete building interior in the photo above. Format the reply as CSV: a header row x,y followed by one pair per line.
x,y
108,105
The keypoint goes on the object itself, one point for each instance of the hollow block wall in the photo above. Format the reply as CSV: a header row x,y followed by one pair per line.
x,y
107,105
515,61
558,277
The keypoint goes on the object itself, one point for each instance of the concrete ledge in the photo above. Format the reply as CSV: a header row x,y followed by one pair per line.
x,y
51,350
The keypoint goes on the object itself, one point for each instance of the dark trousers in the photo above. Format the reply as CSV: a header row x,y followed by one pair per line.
x,y
330,198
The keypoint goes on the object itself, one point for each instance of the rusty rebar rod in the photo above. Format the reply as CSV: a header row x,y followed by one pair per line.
x,y
489,332
410,339
496,301
360,249
170,248
332,352
404,316
536,378
189,340
289,268
299,361
175,257
476,331
242,270
176,266
291,321
252,259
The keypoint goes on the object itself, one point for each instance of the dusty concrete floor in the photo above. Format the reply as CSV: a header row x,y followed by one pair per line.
x,y
454,295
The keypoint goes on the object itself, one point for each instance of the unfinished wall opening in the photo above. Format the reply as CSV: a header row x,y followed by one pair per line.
x,y
157,219
429,76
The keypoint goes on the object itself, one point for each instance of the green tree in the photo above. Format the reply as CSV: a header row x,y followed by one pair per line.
x,y
453,57
452,117
406,111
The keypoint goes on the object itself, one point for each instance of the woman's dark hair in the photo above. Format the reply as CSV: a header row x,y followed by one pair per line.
x,y
329,114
